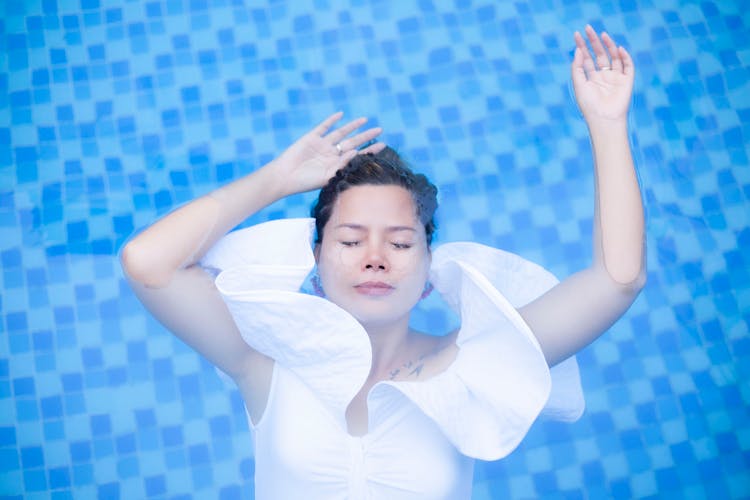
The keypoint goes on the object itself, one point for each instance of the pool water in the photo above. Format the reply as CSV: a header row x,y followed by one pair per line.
x,y
112,113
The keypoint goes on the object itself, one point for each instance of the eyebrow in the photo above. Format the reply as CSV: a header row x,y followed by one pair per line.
x,y
390,229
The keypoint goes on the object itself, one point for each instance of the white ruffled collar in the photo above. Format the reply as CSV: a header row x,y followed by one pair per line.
x,y
484,402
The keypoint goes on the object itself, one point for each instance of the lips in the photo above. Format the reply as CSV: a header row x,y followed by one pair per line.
x,y
374,288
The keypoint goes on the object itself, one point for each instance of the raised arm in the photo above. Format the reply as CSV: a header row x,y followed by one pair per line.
x,y
586,304
180,239
160,262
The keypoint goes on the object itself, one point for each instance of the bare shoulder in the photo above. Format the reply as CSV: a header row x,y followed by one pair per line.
x,y
446,350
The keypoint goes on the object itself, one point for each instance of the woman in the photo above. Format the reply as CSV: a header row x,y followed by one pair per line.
x,y
345,400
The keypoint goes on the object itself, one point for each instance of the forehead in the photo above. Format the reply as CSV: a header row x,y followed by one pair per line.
x,y
375,204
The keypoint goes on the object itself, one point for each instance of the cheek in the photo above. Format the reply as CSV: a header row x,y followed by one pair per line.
x,y
334,256
411,271
334,266
345,257
422,271
414,262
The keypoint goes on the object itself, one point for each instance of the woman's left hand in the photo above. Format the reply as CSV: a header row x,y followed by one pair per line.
x,y
602,86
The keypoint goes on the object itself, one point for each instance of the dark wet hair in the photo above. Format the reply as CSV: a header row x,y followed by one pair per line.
x,y
385,168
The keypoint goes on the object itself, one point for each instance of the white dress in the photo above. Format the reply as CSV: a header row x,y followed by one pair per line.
x,y
423,436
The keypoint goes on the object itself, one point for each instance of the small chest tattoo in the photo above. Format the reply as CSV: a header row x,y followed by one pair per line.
x,y
412,367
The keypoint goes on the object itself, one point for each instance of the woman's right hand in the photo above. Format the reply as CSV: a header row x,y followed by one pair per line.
x,y
315,157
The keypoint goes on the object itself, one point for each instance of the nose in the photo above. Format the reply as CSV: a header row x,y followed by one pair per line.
x,y
375,259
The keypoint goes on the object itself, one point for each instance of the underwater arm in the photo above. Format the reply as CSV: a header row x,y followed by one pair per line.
x,y
160,263
583,306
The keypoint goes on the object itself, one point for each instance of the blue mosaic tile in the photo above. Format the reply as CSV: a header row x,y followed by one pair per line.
x,y
113,115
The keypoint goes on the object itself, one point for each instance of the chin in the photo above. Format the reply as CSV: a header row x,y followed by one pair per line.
x,y
376,313
379,321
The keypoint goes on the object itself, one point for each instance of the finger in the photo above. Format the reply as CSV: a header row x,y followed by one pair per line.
x,y
326,124
347,156
359,139
337,135
627,62
602,59
586,62
616,63
577,73
373,148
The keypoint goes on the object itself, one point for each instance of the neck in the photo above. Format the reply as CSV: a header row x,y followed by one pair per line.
x,y
389,343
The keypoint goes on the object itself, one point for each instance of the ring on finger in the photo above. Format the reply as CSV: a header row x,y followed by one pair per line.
x,y
338,148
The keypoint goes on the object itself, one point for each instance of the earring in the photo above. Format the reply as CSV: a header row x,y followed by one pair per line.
x,y
317,287
428,288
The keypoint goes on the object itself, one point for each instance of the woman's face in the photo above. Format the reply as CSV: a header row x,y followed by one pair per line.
x,y
374,259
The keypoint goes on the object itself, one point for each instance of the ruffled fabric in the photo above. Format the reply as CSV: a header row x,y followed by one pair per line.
x,y
484,402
